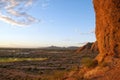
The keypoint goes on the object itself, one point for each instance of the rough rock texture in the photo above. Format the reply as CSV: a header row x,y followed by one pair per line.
x,y
94,47
89,48
107,28
109,72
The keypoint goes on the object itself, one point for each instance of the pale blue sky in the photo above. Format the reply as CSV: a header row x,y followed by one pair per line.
x,y
62,23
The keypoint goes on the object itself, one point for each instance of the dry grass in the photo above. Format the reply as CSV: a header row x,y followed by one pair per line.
x,y
89,62
20,59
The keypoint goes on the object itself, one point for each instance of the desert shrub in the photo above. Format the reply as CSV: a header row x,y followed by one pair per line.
x,y
74,68
89,63
103,64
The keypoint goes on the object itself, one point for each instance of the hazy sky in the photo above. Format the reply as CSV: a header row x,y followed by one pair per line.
x,y
37,23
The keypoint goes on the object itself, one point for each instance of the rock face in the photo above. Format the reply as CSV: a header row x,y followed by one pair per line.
x,y
107,28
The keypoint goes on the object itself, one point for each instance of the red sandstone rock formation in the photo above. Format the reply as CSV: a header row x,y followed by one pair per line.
x,y
84,48
108,38
89,48
94,47
107,28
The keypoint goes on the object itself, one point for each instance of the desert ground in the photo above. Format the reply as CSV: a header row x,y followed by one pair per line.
x,y
37,64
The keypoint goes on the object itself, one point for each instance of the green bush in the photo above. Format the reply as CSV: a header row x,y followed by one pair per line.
x,y
89,63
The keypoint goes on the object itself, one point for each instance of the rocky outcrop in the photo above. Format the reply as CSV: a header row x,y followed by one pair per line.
x,y
89,48
94,47
85,48
107,28
108,42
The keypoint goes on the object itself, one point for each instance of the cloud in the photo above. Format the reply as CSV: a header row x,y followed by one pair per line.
x,y
45,5
13,12
11,21
29,2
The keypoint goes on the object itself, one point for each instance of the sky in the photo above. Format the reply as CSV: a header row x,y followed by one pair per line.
x,y
42,23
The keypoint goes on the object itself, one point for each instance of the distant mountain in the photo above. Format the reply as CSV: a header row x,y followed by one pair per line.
x,y
63,48
72,47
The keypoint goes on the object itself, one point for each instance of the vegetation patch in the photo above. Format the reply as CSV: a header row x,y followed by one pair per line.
x,y
89,63
21,59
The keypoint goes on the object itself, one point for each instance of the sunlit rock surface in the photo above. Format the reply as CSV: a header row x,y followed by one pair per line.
x,y
107,28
